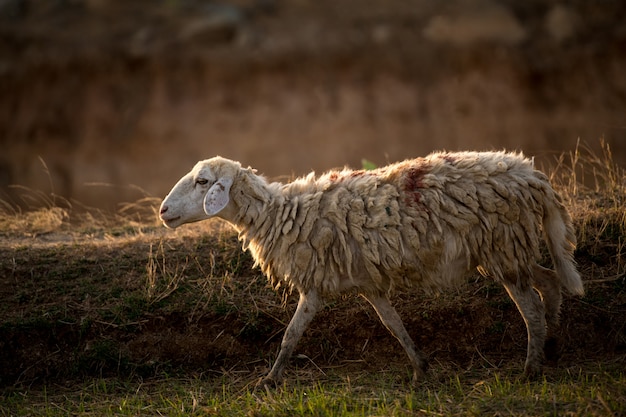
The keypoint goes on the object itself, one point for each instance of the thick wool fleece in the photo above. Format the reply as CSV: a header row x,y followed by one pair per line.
x,y
409,224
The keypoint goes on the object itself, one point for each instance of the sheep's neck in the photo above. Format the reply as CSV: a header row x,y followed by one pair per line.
x,y
259,229
258,203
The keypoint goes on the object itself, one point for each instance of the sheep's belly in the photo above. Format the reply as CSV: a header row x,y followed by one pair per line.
x,y
451,275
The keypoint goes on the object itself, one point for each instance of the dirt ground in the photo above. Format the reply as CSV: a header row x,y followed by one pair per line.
x,y
106,101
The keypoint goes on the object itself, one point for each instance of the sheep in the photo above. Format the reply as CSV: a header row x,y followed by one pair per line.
x,y
422,223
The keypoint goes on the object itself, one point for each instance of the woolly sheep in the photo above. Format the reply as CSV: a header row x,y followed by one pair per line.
x,y
422,223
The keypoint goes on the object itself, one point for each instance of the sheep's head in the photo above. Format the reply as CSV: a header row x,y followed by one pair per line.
x,y
201,194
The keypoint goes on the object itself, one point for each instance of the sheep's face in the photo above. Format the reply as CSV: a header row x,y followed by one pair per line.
x,y
186,202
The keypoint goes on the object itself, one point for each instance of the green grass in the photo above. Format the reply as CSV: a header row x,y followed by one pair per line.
x,y
570,392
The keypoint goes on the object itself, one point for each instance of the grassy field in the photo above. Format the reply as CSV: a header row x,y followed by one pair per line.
x,y
599,392
111,314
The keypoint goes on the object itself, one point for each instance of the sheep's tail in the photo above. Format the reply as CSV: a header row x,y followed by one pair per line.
x,y
561,239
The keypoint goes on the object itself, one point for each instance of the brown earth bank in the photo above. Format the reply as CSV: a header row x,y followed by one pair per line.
x,y
106,101
137,302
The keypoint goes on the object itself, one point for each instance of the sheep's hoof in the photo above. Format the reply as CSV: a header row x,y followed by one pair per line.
x,y
267,383
424,366
531,372
420,374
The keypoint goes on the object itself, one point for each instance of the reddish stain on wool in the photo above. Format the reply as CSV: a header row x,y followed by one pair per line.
x,y
413,184
333,176
339,176
357,174
450,159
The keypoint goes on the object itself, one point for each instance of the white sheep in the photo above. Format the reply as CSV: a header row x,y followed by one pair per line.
x,y
421,223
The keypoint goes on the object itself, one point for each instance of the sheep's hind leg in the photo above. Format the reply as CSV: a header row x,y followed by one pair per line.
x,y
547,283
532,310
392,321
308,305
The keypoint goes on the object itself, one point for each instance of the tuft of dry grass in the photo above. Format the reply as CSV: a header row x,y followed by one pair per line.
x,y
39,213
594,189
32,213
589,181
161,280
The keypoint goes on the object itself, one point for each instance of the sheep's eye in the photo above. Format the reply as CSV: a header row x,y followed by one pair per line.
x,y
201,181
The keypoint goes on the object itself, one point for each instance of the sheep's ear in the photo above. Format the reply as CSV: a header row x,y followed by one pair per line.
x,y
218,196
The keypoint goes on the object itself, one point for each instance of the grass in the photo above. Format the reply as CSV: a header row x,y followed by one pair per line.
x,y
572,392
110,314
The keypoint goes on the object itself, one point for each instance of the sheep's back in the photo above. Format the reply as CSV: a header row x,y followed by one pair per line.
x,y
404,225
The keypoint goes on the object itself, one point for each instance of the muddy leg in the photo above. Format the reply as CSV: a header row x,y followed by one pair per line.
x,y
393,323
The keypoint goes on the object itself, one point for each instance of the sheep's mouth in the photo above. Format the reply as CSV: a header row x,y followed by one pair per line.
x,y
170,222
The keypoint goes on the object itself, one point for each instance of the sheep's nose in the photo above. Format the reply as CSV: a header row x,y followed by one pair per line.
x,y
163,209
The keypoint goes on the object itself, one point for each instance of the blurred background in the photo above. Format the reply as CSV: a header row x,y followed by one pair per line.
x,y
106,101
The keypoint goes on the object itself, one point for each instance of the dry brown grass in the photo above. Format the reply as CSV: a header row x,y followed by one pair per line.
x,y
594,188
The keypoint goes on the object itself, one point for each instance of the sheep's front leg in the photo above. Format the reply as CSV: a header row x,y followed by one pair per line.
x,y
308,305
392,321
